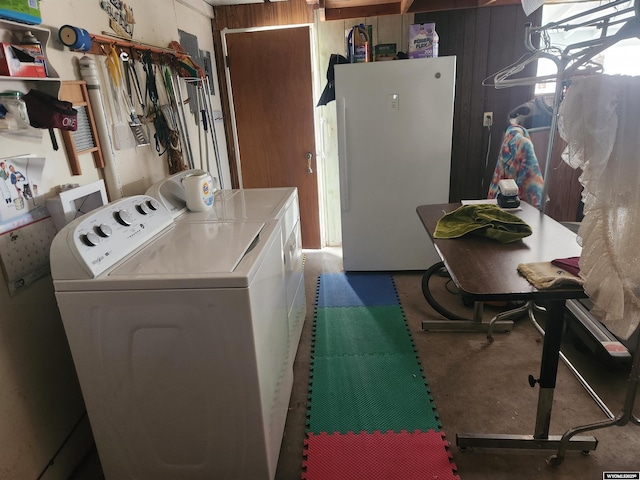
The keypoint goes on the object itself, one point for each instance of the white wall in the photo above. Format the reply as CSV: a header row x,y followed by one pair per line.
x,y
140,167
39,396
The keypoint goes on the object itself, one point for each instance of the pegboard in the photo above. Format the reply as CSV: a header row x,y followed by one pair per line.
x,y
24,253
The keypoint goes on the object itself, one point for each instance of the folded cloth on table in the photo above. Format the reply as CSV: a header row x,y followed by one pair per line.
x,y
484,220
543,275
570,264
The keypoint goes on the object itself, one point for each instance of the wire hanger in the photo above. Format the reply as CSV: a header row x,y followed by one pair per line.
x,y
574,59
577,57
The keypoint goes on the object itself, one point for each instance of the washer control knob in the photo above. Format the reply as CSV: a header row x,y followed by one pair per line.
x,y
124,218
153,204
143,208
104,230
91,239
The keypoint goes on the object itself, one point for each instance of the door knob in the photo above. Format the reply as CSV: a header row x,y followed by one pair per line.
x,y
309,156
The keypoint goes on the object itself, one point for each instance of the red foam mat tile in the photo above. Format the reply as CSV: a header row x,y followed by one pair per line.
x,y
378,456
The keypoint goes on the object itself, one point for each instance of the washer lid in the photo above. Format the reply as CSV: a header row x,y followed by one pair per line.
x,y
195,249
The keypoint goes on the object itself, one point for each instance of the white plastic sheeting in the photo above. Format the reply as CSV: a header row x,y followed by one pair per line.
x,y
599,120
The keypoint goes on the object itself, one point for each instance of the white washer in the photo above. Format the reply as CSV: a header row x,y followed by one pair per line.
x,y
254,204
179,335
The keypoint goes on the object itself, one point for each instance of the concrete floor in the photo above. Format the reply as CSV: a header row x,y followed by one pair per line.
x,y
477,387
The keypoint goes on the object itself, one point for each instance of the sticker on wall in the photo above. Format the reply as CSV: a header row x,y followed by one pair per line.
x,y
121,19
20,188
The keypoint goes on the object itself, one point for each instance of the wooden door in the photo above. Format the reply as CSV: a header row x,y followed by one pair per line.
x,y
271,87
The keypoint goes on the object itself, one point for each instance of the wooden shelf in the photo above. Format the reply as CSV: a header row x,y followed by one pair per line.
x,y
50,84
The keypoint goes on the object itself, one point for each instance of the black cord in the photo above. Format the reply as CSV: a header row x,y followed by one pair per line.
x,y
453,291
486,159
151,88
79,211
62,445
426,292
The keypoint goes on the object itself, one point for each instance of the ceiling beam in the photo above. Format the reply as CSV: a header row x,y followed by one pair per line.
x,y
328,12
362,11
420,6
405,5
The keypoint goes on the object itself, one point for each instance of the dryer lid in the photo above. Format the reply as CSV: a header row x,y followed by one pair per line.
x,y
253,204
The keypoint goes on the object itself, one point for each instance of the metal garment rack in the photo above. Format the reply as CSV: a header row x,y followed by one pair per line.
x,y
573,60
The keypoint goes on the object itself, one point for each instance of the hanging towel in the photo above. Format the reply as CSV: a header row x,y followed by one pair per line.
x,y
518,161
484,220
544,275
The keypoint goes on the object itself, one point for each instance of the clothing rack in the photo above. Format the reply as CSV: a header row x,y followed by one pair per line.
x,y
577,59
574,59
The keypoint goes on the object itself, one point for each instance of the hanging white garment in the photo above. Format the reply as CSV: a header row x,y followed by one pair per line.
x,y
600,121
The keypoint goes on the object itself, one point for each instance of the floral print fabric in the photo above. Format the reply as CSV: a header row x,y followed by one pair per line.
x,y
518,161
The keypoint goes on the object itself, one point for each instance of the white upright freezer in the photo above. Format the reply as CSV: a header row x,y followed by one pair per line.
x,y
395,123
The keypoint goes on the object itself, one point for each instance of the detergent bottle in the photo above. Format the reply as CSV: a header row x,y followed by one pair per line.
x,y
198,191
359,44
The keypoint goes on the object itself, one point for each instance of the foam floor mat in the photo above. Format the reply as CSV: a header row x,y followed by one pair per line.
x,y
380,456
361,331
356,290
369,392
366,378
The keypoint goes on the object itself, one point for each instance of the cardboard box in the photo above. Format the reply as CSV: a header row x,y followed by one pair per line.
x,y
19,62
384,51
423,40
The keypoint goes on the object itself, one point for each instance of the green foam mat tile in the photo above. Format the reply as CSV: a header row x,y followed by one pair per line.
x,y
368,393
361,331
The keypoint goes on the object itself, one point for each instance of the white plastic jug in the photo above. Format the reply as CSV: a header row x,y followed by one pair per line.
x,y
198,191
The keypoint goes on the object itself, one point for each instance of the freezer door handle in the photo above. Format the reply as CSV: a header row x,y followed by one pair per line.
x,y
342,153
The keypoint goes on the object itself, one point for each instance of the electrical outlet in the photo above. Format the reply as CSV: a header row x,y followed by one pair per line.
x,y
487,119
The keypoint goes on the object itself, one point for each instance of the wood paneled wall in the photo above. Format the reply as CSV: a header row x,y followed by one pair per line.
x,y
291,12
564,191
484,40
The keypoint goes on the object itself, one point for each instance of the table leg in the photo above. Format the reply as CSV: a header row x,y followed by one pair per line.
x,y
549,366
548,372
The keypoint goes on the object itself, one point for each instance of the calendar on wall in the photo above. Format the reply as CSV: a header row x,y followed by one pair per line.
x,y
26,229
20,186
24,253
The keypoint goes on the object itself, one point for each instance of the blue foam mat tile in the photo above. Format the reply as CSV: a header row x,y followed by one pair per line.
x,y
356,290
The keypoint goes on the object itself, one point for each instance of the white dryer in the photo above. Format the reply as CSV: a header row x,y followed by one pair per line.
x,y
248,205
179,334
